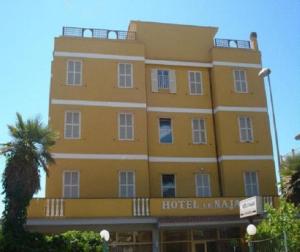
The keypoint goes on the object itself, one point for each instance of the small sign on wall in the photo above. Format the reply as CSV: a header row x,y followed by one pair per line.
x,y
251,206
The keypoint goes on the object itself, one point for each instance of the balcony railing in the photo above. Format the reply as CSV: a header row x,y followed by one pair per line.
x,y
137,207
232,43
97,33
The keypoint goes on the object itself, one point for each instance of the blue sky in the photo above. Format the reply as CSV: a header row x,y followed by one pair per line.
x,y
29,27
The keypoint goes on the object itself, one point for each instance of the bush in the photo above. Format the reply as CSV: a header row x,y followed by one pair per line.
x,y
71,241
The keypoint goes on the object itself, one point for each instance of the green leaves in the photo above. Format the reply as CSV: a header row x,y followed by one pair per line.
x,y
284,218
26,153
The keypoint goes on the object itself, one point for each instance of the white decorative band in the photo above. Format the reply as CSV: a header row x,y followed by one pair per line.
x,y
240,109
235,64
100,156
151,61
97,56
158,159
179,110
98,103
177,63
182,159
245,157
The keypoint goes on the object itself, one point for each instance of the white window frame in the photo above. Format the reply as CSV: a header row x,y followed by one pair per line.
x,y
202,186
171,129
63,184
250,193
199,131
240,82
67,77
119,126
131,75
65,124
247,129
194,82
162,185
169,81
126,184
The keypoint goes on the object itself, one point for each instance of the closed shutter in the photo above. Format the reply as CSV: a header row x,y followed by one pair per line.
x,y
154,81
172,81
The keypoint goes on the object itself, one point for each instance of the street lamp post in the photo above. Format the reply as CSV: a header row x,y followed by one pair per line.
x,y
104,234
263,73
251,230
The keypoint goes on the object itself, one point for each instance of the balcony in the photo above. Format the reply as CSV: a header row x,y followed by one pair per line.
x,y
136,207
232,43
97,33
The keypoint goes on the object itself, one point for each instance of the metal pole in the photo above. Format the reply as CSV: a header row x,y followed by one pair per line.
x,y
251,247
285,242
274,122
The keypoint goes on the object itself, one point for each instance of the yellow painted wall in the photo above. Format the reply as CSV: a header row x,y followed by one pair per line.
x,y
98,178
184,176
99,81
182,145
99,131
182,98
224,90
232,172
118,47
175,42
229,138
99,127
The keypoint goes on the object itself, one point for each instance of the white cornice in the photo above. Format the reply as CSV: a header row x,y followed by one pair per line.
x,y
153,61
239,109
245,157
179,110
98,103
177,63
182,159
98,56
100,156
235,64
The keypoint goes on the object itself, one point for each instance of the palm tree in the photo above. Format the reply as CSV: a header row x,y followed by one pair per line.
x,y
290,172
25,154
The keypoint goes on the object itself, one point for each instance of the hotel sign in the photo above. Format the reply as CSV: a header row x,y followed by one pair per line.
x,y
251,206
200,204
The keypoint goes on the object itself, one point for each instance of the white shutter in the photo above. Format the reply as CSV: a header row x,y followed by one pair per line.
x,y
154,81
172,81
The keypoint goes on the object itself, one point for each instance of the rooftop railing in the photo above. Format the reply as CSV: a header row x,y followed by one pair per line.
x,y
97,33
232,43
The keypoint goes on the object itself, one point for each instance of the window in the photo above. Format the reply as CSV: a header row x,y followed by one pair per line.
x,y
163,80
74,72
245,124
71,184
240,82
195,83
125,75
251,183
72,125
125,126
168,185
126,184
165,130
203,185
198,131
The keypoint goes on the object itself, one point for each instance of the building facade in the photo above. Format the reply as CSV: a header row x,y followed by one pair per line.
x,y
163,129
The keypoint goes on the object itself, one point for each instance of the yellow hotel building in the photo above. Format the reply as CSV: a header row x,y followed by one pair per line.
x,y
163,129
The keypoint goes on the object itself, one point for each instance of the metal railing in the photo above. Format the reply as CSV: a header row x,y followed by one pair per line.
x,y
232,43
97,33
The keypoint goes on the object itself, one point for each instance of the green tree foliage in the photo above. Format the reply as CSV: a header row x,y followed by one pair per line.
x,y
71,241
290,172
25,154
284,218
